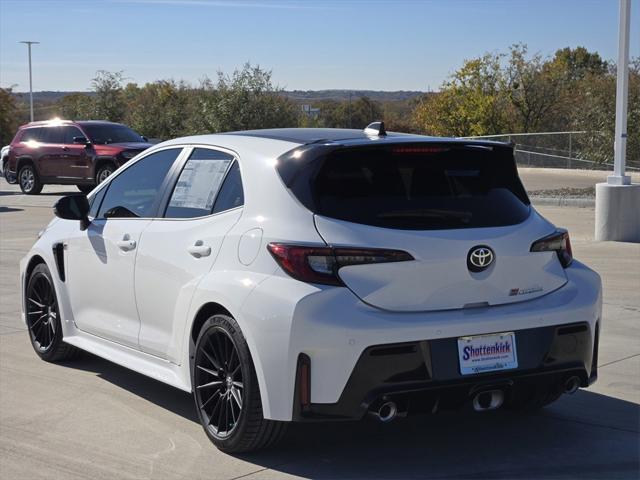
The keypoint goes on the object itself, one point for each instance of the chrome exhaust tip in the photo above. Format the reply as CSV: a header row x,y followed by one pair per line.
x,y
386,412
572,385
488,400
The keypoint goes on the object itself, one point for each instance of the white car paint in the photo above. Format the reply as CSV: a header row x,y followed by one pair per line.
x,y
135,304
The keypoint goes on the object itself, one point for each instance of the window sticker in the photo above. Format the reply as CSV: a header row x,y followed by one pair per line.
x,y
199,183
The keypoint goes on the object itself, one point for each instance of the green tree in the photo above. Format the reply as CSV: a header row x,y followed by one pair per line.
x,y
473,101
244,100
77,106
8,116
158,109
108,102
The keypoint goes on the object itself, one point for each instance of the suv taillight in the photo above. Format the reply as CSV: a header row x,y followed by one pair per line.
x,y
556,242
321,264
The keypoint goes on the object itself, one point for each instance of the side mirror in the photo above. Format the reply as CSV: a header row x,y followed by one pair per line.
x,y
81,140
144,139
73,207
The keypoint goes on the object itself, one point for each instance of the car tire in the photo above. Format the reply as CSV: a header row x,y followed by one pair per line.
x,y
230,411
104,171
29,181
85,188
5,172
43,317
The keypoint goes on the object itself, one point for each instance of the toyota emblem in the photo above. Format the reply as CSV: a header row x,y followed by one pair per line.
x,y
480,258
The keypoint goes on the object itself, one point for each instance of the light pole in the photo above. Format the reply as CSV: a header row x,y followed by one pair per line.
x,y
617,200
622,95
29,43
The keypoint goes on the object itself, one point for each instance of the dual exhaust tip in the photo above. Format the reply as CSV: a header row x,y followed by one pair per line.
x,y
482,401
493,399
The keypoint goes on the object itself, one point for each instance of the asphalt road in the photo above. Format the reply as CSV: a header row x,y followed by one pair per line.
x,y
93,419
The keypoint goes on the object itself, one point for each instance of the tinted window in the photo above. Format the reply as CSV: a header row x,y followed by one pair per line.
x,y
34,135
134,192
107,133
231,194
95,202
421,188
53,135
198,185
69,132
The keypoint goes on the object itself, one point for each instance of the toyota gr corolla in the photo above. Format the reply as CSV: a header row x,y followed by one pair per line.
x,y
317,274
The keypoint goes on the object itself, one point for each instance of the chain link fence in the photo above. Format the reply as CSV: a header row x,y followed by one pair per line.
x,y
552,150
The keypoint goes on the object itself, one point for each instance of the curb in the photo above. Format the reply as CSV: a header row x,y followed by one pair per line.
x,y
564,201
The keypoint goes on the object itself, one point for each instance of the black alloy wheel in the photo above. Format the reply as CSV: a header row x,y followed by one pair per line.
x,y
226,391
219,383
43,317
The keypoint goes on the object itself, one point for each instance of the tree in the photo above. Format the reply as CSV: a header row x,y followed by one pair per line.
x,y
473,101
533,89
596,115
76,106
574,64
158,109
108,102
8,116
245,100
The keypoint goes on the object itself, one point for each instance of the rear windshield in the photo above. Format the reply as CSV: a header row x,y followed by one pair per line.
x,y
421,188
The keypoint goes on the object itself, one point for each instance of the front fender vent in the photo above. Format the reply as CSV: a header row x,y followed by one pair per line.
x,y
58,255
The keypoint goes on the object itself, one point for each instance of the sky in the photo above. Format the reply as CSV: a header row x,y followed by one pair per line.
x,y
308,45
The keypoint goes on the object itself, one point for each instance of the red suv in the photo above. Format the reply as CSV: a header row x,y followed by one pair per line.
x,y
69,153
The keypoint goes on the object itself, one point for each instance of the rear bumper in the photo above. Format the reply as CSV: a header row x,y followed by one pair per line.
x,y
283,318
424,376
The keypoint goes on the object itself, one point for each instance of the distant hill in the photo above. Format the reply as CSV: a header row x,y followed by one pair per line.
x,y
298,96
378,95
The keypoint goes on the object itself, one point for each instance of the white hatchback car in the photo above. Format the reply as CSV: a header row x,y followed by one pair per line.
x,y
317,274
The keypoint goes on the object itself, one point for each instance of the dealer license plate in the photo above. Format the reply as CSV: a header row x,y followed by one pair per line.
x,y
487,353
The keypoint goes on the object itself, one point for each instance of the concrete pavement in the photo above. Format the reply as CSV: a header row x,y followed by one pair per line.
x,y
92,419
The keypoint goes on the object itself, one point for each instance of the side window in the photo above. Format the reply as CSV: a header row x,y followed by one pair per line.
x,y
231,194
53,135
68,133
134,192
34,135
96,201
198,185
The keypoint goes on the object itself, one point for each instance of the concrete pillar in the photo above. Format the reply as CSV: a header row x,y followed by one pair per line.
x,y
618,212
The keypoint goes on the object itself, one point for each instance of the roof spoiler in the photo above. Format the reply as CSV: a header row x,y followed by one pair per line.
x,y
376,129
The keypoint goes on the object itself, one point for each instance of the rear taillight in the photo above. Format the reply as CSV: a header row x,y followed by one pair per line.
x,y
556,242
321,264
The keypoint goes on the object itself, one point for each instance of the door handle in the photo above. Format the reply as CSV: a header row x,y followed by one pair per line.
x,y
199,249
126,243
66,149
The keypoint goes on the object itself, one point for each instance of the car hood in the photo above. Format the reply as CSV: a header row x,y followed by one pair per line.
x,y
130,145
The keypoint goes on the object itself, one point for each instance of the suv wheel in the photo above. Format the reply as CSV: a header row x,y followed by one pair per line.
x,y
226,392
103,172
29,181
43,317
5,171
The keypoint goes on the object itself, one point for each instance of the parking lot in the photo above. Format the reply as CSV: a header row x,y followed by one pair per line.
x,y
93,419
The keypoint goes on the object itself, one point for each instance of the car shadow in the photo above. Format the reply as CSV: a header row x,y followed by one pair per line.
x,y
9,209
586,435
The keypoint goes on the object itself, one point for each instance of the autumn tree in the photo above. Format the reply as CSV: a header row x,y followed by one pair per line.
x,y
473,101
